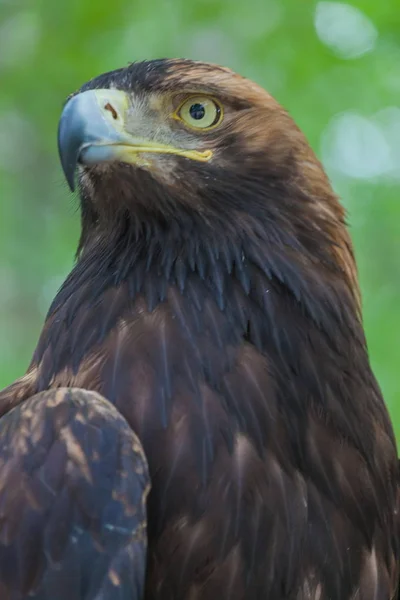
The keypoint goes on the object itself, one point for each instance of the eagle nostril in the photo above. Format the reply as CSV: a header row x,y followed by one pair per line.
x,y
112,110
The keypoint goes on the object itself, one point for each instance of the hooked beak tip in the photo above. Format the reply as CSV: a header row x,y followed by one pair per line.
x,y
90,119
68,159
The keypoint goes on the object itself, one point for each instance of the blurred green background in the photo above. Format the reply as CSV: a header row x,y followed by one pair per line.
x,y
334,66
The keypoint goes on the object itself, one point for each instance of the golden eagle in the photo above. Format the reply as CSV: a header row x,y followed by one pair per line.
x,y
214,313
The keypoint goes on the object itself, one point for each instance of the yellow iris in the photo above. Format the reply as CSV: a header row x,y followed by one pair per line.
x,y
200,112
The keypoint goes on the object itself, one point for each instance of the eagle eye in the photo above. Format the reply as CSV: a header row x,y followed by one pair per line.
x,y
200,112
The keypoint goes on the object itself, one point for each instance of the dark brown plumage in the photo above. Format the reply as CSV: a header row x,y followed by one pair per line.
x,y
215,303
73,485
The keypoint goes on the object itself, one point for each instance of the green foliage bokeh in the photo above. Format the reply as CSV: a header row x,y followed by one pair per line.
x,y
49,48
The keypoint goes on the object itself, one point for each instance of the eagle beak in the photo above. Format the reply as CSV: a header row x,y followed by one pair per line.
x,y
92,130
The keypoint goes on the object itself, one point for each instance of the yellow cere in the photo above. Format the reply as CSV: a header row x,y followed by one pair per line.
x,y
200,112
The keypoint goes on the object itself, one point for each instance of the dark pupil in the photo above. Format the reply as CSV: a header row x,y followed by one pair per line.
x,y
197,111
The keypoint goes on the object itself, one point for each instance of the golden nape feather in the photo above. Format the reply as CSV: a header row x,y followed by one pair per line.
x,y
214,304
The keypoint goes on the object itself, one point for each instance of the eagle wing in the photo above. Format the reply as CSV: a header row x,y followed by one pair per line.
x,y
73,486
